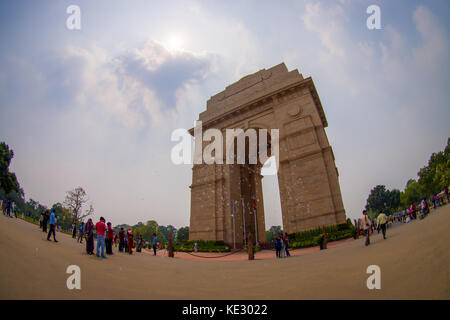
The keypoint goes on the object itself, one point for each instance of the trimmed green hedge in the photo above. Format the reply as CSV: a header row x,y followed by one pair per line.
x,y
311,238
203,246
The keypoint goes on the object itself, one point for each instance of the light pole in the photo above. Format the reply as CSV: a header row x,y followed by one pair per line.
x,y
256,229
243,217
256,223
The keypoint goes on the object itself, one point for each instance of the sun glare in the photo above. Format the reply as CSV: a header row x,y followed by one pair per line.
x,y
175,43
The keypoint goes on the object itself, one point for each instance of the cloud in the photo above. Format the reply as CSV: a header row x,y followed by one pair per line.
x,y
385,87
328,22
435,43
164,71
137,88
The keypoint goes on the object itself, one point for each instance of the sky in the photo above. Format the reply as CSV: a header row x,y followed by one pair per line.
x,y
96,107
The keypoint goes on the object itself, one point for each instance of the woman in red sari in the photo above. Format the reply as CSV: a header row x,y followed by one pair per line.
x,y
130,241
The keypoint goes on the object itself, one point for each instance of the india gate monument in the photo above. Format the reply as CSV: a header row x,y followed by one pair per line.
x,y
227,199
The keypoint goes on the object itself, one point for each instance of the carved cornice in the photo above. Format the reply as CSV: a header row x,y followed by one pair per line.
x,y
268,101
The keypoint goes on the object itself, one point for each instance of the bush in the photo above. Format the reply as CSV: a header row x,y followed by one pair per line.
x,y
203,246
310,238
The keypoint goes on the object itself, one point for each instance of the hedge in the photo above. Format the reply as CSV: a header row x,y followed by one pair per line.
x,y
203,246
311,238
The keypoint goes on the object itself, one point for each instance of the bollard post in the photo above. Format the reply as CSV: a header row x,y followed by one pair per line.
x,y
324,238
251,255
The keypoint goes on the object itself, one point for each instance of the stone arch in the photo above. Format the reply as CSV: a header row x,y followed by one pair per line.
x,y
307,176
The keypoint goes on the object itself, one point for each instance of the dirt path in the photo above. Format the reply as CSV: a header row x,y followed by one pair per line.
x,y
414,263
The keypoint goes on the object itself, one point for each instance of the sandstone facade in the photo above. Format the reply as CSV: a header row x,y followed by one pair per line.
x,y
308,178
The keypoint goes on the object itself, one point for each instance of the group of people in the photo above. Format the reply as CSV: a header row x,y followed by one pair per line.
x,y
126,241
105,234
282,245
48,219
107,237
368,226
422,209
8,208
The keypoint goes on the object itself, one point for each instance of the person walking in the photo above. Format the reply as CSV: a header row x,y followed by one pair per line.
x,y
278,246
89,232
109,238
52,226
424,206
100,226
8,208
121,239
74,229
381,223
366,225
80,232
45,221
139,244
286,244
116,240
130,241
154,241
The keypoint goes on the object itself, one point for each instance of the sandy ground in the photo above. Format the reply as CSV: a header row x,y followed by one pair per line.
x,y
414,262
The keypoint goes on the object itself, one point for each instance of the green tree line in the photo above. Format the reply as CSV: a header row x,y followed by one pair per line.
x,y
72,210
432,179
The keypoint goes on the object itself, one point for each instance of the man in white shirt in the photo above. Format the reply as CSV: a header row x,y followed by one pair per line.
x,y
366,224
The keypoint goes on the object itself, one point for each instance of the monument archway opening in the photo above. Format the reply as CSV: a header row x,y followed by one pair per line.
x,y
271,196
227,199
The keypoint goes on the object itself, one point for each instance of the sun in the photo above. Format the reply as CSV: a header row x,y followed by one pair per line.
x,y
175,43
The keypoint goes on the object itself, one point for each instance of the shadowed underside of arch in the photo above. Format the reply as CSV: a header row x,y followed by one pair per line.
x,y
226,199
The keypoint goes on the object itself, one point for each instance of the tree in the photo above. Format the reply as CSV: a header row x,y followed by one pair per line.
x,y
8,180
412,194
182,235
64,217
75,201
166,231
434,177
393,202
147,230
381,199
276,229
378,198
